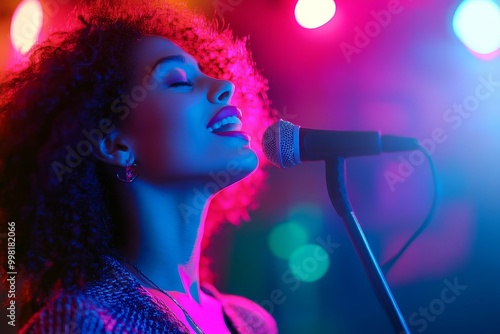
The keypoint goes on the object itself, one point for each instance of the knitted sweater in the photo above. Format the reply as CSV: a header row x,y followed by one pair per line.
x,y
117,303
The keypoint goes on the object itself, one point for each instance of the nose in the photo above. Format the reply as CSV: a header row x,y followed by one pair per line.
x,y
221,91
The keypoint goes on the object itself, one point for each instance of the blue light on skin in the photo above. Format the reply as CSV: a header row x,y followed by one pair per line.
x,y
166,135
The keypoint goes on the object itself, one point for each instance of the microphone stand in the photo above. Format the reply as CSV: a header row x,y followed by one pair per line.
x,y
335,180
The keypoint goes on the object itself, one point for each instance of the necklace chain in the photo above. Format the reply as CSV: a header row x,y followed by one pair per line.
x,y
196,327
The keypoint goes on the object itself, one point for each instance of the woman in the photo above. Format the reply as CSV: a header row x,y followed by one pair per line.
x,y
115,137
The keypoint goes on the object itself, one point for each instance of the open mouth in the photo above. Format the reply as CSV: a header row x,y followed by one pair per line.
x,y
227,124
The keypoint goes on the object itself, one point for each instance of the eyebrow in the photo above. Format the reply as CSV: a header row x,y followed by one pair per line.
x,y
175,58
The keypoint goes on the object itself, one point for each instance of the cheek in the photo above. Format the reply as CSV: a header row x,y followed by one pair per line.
x,y
168,139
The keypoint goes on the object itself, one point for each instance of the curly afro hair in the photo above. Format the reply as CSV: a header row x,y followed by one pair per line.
x,y
67,84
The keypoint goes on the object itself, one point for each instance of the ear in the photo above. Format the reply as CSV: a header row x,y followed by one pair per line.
x,y
113,149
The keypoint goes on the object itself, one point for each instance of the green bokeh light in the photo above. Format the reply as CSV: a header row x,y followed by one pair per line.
x,y
309,263
285,238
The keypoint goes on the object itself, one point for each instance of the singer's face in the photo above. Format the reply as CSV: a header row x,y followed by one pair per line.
x,y
171,103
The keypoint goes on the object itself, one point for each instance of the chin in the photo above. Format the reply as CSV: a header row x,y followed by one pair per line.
x,y
241,166
249,162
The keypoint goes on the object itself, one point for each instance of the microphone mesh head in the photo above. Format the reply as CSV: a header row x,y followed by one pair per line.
x,y
281,144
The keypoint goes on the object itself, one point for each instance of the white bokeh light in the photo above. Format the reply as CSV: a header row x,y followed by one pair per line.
x,y
26,25
313,14
477,24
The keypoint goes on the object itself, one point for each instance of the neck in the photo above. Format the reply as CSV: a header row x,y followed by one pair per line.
x,y
164,229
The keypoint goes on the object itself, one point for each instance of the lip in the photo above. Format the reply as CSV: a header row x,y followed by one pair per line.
x,y
223,113
236,134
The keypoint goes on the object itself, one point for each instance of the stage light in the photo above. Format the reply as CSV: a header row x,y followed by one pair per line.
x,y
313,14
26,25
309,263
477,24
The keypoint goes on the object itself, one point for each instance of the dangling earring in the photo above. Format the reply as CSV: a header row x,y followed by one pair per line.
x,y
130,173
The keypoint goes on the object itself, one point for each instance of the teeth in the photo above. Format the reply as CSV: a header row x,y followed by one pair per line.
x,y
225,121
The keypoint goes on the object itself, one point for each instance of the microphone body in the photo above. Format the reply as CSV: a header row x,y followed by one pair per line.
x,y
286,145
321,144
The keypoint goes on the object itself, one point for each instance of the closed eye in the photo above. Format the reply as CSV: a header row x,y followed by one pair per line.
x,y
181,83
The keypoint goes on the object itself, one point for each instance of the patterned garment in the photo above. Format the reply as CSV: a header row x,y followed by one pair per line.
x,y
117,303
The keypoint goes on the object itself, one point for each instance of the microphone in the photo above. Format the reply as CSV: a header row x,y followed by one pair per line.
x,y
286,144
